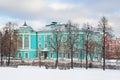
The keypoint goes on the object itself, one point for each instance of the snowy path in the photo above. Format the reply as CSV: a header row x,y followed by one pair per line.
x,y
36,73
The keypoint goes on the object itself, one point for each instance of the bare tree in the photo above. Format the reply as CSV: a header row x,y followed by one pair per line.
x,y
87,29
14,38
106,30
72,31
10,41
1,47
56,40
92,45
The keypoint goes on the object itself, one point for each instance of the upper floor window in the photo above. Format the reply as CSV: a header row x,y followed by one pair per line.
x,y
19,42
39,46
40,37
45,45
51,37
45,37
26,42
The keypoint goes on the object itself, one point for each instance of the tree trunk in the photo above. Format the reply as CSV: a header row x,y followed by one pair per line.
x,y
81,58
104,53
39,59
1,59
87,53
71,58
8,63
104,48
56,63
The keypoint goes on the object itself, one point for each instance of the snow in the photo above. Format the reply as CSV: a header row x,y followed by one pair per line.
x,y
113,62
37,73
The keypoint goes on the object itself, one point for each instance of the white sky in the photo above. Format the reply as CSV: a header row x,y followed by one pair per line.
x,y
38,13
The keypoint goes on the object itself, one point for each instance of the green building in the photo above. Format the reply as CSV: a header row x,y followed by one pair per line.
x,y
36,44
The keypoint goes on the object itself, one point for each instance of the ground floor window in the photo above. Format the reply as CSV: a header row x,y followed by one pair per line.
x,y
51,55
19,55
26,55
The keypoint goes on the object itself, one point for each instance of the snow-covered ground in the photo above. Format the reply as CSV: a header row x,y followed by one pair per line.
x,y
37,73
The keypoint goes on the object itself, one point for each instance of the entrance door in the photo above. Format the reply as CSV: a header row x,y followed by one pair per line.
x,y
45,56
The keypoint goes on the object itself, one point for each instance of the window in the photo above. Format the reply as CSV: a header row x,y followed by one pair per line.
x,y
51,37
45,37
19,42
39,46
26,42
40,37
45,45
51,46
51,54
19,55
26,55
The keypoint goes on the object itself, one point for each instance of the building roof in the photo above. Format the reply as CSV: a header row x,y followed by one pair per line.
x,y
26,27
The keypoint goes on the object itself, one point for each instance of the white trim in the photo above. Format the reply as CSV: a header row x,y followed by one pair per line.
x,y
45,49
26,49
35,33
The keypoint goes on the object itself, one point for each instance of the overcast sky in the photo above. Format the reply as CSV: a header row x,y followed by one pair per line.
x,y
38,13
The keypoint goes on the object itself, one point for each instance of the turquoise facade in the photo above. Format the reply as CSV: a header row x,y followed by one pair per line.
x,y
35,44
